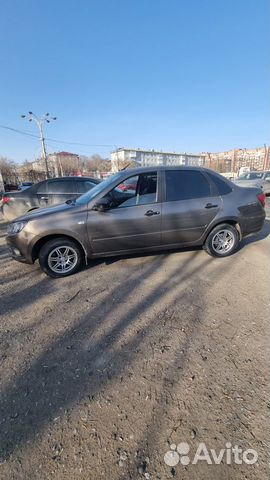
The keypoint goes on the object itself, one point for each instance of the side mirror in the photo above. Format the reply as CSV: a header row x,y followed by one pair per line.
x,y
102,205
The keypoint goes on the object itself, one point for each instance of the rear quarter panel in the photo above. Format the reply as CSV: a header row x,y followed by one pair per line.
x,y
244,205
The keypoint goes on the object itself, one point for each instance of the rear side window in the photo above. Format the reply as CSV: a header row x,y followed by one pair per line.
x,y
186,184
60,186
222,186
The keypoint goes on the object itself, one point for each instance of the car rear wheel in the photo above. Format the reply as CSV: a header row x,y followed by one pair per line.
x,y
60,257
222,241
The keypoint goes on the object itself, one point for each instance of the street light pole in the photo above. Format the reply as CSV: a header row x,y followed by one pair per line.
x,y
40,122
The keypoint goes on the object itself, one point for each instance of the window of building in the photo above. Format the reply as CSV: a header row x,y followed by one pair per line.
x,y
185,185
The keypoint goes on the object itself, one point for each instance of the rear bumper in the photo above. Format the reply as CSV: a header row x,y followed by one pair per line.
x,y
252,225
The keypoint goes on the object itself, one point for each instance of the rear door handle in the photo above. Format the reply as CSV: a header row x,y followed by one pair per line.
x,y
44,198
150,213
210,205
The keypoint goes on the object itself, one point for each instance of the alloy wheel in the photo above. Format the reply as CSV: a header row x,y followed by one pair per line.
x,y
62,259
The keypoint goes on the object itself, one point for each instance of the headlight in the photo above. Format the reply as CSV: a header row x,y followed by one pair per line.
x,y
15,227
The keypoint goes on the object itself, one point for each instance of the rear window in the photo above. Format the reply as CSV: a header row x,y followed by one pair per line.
x,y
250,176
222,186
186,184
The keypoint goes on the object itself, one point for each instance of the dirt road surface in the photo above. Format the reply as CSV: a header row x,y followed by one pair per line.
x,y
104,372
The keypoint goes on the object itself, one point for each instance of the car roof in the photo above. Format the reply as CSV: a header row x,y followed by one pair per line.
x,y
73,177
256,171
138,170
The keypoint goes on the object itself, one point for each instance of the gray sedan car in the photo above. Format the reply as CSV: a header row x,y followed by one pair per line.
x,y
139,210
43,194
255,179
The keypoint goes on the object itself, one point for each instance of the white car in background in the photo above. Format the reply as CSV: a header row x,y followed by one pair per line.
x,y
255,179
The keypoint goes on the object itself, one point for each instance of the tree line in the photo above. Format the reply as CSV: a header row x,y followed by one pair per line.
x,y
13,172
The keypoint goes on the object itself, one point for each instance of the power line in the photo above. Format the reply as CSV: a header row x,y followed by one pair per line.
x,y
23,132
82,144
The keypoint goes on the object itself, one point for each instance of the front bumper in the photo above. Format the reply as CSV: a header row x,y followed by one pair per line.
x,y
16,255
19,249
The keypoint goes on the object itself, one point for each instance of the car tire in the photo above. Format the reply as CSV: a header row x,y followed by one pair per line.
x,y
222,241
60,257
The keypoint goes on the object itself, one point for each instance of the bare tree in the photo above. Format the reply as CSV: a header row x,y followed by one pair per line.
x,y
97,163
8,170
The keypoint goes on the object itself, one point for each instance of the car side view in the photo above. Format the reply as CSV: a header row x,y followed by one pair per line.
x,y
168,207
43,194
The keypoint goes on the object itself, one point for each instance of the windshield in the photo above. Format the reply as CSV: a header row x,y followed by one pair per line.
x,y
91,194
251,176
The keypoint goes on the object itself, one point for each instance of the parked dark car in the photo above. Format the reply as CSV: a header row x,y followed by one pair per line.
x,y
45,193
170,208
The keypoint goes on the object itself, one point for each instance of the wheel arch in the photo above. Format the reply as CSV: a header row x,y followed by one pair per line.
x,y
32,208
37,246
230,221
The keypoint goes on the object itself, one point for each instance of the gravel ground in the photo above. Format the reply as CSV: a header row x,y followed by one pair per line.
x,y
103,371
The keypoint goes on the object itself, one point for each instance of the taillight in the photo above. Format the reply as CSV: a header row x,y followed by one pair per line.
x,y
261,197
6,199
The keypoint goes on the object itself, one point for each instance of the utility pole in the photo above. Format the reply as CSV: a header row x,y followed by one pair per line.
x,y
47,118
266,157
233,160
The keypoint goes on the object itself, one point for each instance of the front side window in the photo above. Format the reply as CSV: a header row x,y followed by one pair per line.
x,y
61,186
185,185
42,188
138,190
85,185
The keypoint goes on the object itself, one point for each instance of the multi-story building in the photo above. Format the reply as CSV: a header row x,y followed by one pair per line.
x,y
233,160
122,157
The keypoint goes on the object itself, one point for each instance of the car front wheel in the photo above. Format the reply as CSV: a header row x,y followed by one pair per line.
x,y
222,241
60,257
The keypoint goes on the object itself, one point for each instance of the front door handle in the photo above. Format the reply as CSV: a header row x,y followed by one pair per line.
x,y
44,198
150,213
210,205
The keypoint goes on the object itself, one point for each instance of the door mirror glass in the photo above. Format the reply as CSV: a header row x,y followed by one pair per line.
x,y
102,205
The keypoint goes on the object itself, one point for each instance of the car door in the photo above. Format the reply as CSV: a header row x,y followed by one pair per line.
x,y
42,194
190,205
134,219
59,190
